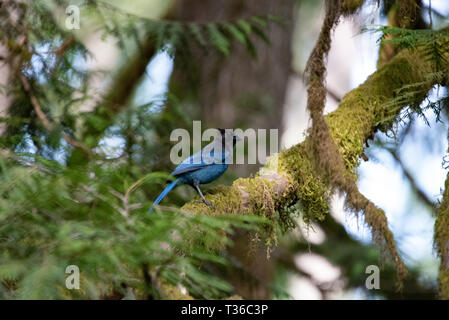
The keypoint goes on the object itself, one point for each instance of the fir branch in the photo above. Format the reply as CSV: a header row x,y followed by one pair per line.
x,y
433,44
45,121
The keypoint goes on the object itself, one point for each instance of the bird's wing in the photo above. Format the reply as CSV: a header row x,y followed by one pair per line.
x,y
183,168
195,162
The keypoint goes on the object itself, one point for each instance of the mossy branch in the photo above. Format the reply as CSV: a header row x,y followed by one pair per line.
x,y
441,238
291,176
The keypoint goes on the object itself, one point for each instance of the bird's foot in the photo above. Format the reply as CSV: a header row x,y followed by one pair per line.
x,y
206,203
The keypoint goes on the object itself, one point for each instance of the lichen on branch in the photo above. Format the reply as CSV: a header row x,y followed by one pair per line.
x,y
441,239
327,157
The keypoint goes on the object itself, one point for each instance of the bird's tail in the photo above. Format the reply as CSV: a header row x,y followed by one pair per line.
x,y
167,189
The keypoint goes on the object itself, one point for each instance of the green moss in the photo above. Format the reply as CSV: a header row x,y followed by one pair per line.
x,y
367,107
309,188
443,281
408,11
225,199
441,239
254,196
387,50
171,292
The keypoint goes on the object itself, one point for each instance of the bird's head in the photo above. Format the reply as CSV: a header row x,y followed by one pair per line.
x,y
228,135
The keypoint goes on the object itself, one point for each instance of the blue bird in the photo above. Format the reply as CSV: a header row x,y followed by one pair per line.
x,y
204,166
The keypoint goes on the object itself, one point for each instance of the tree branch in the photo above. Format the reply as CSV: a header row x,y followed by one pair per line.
x,y
441,239
120,91
45,121
420,193
291,175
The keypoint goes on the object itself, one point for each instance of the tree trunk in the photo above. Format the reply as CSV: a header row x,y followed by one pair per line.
x,y
230,87
240,92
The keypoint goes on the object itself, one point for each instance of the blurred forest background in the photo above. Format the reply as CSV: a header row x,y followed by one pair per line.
x,y
85,142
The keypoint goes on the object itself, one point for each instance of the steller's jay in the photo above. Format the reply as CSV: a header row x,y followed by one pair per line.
x,y
204,166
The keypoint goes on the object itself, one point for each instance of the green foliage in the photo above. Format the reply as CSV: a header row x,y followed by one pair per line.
x,y
172,36
435,44
53,62
96,218
176,37
59,207
407,96
54,76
